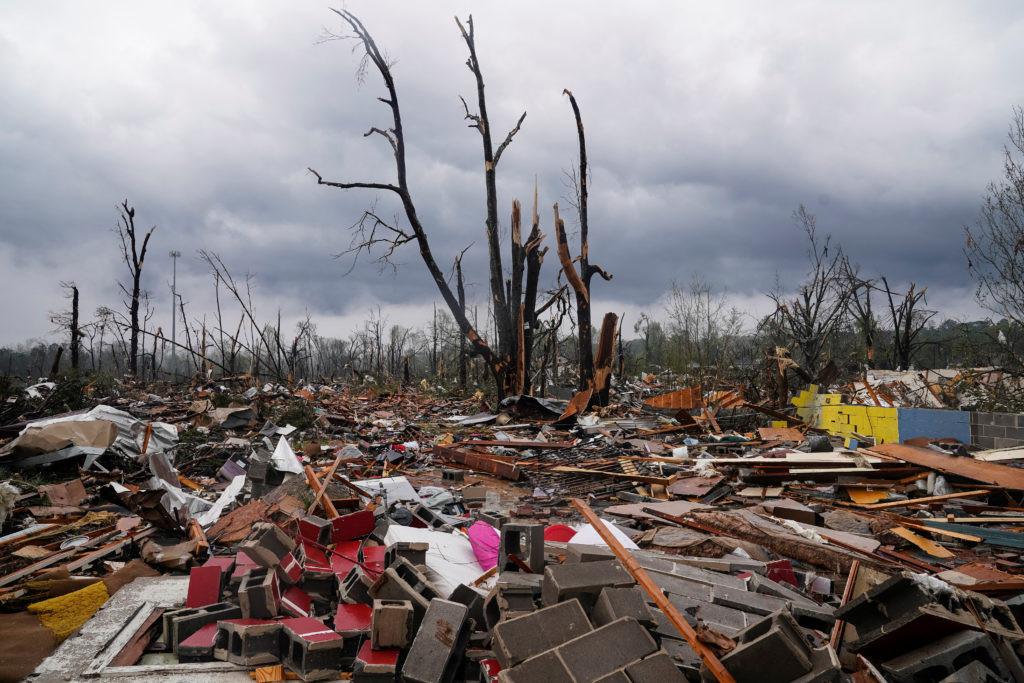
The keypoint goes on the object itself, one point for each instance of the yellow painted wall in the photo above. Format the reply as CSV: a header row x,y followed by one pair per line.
x,y
827,411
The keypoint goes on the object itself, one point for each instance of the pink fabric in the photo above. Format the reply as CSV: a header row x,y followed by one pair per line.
x,y
485,542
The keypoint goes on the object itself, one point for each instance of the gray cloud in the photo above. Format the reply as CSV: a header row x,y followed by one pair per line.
x,y
706,127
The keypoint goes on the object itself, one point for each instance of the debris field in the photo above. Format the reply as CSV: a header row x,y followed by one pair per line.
x,y
229,532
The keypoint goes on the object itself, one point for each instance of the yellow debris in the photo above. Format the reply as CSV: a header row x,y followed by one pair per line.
x,y
64,614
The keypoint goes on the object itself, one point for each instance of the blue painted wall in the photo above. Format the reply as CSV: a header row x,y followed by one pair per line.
x,y
934,424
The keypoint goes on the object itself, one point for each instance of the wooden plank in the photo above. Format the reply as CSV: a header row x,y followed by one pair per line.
x,y
132,651
969,468
662,481
925,544
668,609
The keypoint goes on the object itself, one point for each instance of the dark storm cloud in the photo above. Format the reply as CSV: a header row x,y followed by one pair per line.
x,y
706,127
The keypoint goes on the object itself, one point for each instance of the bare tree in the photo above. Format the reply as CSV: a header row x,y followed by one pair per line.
x,y
907,323
580,281
811,319
134,256
372,231
995,244
859,306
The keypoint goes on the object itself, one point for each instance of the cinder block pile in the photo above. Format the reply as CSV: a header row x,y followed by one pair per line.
x,y
322,602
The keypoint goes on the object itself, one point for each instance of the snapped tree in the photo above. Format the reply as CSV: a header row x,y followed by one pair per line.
x,y
134,256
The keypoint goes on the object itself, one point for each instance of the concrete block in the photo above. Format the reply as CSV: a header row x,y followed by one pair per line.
x,y
975,672
519,639
315,529
776,639
353,623
582,580
402,581
656,668
525,541
437,649
355,586
248,642
310,648
944,657
903,613
289,571
180,624
547,667
744,600
318,577
259,595
431,519
295,602
579,552
495,519
266,544
415,552
243,563
198,647
615,603
372,665
605,649
472,599
392,624
474,494
352,526
450,476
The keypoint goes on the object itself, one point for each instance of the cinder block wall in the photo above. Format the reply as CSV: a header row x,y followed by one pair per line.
x,y
997,430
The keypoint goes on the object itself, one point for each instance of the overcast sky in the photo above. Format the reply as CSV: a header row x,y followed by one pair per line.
x,y
707,125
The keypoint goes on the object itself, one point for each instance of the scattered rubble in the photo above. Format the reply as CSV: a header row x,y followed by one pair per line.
x,y
672,535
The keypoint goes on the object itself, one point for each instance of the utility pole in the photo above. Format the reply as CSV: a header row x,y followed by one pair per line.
x,y
174,298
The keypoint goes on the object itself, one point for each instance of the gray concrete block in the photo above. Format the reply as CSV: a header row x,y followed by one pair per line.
x,y
525,541
259,594
579,552
615,603
546,667
519,639
657,668
437,648
355,587
181,624
945,656
1004,419
725,619
402,581
582,580
248,642
392,624
472,599
754,603
310,648
415,552
495,519
267,544
605,649
776,639
975,672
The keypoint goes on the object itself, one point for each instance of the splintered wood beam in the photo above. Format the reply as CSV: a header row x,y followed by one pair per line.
x,y
668,609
